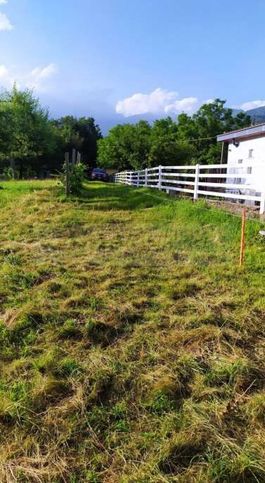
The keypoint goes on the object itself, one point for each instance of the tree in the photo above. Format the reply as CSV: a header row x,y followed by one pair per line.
x,y
126,146
81,134
27,136
166,148
209,121
190,140
5,127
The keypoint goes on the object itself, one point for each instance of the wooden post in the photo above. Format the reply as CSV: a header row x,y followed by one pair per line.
x,y
242,243
78,158
67,174
73,156
145,176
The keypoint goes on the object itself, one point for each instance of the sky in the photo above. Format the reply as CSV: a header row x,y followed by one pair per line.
x,y
118,60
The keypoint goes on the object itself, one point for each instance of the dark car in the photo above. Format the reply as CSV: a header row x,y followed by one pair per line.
x,y
99,174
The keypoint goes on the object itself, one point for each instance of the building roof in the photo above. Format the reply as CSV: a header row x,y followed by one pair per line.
x,y
243,134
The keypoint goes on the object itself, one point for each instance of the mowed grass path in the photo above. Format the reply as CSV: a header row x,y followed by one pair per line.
x,y
131,344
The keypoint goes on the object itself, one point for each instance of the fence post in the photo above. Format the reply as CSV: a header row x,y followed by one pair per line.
x,y
262,203
196,182
159,177
138,179
67,174
73,156
145,176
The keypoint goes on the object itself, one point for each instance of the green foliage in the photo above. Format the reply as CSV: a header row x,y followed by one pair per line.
x,y
33,145
9,173
81,134
76,177
189,140
126,146
27,136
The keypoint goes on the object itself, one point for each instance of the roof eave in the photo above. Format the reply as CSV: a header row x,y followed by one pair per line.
x,y
248,133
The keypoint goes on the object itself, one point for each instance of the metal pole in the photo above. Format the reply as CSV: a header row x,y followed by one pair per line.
x,y
222,153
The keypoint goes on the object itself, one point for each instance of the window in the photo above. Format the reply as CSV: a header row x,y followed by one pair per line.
x,y
250,153
240,161
249,170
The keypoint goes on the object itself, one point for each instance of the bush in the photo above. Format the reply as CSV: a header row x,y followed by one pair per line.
x,y
76,177
9,173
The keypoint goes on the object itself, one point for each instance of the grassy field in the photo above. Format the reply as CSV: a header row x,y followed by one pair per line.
x,y
132,346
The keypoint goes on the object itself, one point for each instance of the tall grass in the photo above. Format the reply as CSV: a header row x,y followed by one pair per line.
x,y
131,343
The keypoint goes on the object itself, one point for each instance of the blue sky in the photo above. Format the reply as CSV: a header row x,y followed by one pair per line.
x,y
118,58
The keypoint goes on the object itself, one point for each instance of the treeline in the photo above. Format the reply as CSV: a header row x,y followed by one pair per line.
x,y
188,140
31,144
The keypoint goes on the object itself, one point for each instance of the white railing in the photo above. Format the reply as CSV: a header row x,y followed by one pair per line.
x,y
216,180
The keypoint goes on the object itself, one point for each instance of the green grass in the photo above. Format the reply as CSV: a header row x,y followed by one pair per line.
x,y
131,343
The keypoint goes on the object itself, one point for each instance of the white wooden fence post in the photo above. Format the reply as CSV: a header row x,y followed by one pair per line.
x,y
196,182
160,177
145,176
138,179
262,203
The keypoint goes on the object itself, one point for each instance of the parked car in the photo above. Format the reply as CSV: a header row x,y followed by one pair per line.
x,y
99,174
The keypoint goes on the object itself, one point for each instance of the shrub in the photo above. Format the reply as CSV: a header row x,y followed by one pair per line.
x,y
9,173
76,177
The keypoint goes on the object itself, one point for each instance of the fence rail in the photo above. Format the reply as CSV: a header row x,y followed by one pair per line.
x,y
223,180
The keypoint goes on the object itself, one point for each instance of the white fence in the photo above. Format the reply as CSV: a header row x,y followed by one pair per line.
x,y
218,180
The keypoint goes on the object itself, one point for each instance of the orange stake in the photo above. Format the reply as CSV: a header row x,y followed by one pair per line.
x,y
242,244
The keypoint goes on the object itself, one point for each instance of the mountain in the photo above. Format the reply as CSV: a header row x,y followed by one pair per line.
x,y
107,122
257,115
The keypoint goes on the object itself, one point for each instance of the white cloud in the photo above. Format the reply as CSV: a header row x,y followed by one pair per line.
x,y
208,101
3,2
252,105
37,79
3,71
5,23
160,101
187,104
6,79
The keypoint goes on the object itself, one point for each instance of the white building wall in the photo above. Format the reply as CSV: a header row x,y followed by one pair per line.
x,y
249,159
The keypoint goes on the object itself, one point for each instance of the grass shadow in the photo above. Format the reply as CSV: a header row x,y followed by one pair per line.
x,y
109,196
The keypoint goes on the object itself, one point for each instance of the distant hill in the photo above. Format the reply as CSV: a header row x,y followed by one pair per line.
x,y
257,115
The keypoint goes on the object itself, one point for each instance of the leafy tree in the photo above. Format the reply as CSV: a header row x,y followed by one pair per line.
x,y
209,121
81,134
26,134
5,127
126,146
189,140
165,146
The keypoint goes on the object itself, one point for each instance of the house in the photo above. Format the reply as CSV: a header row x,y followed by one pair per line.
x,y
244,152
